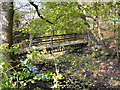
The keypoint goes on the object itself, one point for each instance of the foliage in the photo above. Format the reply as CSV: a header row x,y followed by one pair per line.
x,y
35,27
67,20
75,63
12,76
18,15
66,17
20,75
95,54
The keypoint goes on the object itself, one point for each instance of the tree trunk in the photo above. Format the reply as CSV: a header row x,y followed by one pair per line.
x,y
100,37
6,31
103,46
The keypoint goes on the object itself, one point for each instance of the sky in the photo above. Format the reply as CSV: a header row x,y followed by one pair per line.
x,y
28,8
22,3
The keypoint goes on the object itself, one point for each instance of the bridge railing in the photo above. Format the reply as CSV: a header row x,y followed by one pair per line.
x,y
46,40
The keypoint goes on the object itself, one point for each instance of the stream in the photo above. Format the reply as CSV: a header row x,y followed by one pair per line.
x,y
33,68
39,67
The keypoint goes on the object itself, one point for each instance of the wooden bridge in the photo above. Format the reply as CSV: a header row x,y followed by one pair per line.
x,y
46,42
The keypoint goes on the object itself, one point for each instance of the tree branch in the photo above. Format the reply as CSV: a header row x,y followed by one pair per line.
x,y
82,15
36,7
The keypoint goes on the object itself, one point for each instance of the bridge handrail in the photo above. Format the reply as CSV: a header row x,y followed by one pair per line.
x,y
47,39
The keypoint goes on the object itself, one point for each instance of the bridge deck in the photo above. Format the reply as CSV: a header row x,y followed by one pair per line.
x,y
50,46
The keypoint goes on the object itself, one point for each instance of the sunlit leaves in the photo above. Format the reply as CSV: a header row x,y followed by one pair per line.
x,y
95,54
22,83
1,66
65,15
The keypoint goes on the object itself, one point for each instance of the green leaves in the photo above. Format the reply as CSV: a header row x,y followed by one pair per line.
x,y
95,54
23,83
66,15
21,77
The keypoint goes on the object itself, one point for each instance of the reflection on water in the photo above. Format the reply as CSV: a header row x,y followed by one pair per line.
x,y
32,68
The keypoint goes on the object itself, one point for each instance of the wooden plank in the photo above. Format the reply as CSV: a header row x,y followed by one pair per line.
x,y
57,35
57,40
49,46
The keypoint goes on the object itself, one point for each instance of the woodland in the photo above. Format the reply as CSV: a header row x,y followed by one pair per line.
x,y
60,45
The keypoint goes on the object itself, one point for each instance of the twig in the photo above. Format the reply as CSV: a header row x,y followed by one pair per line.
x,y
39,14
